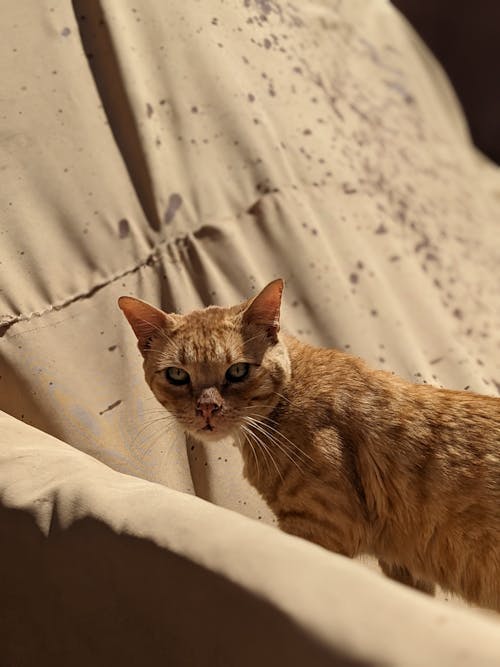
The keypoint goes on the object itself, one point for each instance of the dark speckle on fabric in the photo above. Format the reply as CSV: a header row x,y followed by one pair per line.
x,y
110,407
123,228
174,203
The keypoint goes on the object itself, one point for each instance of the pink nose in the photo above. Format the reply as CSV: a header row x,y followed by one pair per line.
x,y
209,402
207,408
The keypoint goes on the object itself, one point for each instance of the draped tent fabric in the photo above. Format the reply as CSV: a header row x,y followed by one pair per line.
x,y
186,154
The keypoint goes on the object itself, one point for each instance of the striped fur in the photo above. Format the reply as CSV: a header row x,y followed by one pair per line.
x,y
353,459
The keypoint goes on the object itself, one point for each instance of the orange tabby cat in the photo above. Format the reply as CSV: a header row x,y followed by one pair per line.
x,y
354,459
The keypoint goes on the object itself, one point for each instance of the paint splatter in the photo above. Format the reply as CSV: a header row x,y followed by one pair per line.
x,y
123,228
174,203
111,407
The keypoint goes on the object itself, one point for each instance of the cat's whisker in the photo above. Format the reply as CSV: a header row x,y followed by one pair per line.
x,y
288,443
155,407
145,445
255,407
163,420
285,449
265,453
161,434
263,448
154,422
264,445
270,453
157,411
253,452
285,398
258,415
162,412
276,442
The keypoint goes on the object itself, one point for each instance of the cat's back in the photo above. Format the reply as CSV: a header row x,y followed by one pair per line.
x,y
437,441
427,460
384,399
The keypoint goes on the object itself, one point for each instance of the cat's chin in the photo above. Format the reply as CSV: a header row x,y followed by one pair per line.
x,y
215,435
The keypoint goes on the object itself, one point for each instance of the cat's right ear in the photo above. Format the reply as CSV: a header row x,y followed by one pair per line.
x,y
146,320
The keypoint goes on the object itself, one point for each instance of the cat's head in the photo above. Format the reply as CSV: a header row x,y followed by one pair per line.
x,y
213,368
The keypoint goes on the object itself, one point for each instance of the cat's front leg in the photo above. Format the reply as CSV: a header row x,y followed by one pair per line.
x,y
403,576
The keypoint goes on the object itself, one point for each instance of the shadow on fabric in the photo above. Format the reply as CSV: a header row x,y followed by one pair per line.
x,y
98,47
89,596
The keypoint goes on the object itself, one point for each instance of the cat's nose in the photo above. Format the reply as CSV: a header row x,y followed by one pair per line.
x,y
209,403
207,408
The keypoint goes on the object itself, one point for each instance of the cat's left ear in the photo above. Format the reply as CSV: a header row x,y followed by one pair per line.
x,y
146,320
264,309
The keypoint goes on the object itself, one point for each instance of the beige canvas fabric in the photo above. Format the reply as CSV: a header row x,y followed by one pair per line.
x,y
187,153
123,571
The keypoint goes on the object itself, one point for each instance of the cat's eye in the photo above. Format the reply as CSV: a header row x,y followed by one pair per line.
x,y
237,372
176,375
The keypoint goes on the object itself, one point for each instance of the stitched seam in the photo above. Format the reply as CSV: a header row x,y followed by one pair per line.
x,y
154,256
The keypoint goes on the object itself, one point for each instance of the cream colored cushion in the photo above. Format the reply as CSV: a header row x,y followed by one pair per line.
x,y
102,568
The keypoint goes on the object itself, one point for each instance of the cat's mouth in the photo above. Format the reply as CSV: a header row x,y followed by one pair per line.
x,y
214,431
210,433
209,429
